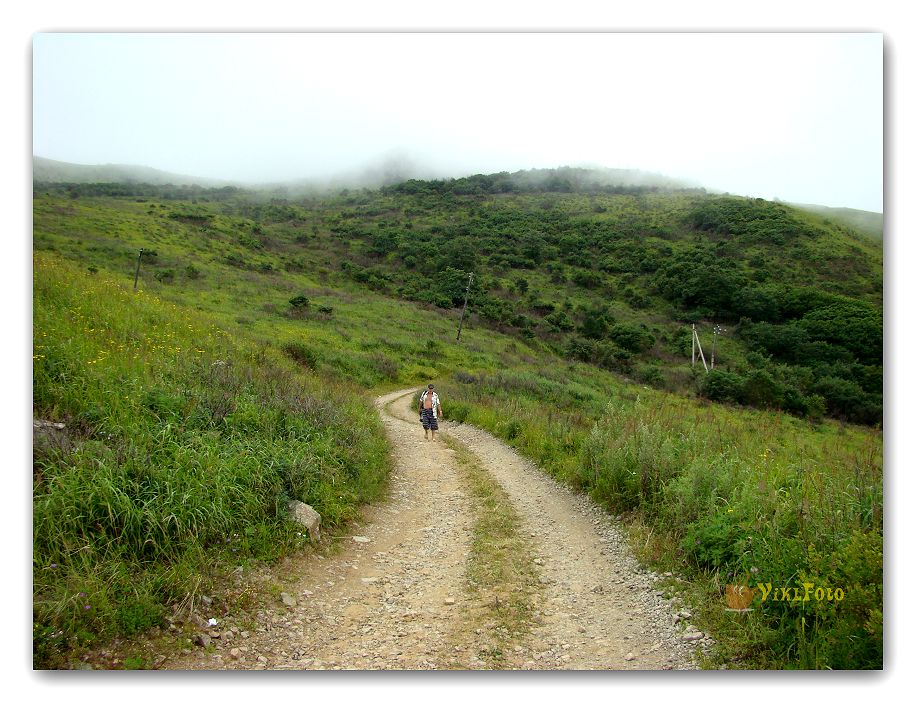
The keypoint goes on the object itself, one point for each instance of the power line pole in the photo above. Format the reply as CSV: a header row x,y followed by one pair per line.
x,y
697,346
137,272
464,309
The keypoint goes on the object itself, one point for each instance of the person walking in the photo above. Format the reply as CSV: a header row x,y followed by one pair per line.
x,y
430,411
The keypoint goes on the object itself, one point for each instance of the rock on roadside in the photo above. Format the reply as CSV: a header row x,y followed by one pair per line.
x,y
306,516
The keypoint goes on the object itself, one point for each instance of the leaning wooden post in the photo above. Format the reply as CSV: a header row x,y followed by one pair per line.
x,y
461,321
696,339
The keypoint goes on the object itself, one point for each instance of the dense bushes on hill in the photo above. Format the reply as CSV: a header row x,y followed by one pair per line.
x,y
549,249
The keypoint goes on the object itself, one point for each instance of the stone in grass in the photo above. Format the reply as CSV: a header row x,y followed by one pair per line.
x,y
202,640
630,656
288,600
306,516
360,539
235,653
692,636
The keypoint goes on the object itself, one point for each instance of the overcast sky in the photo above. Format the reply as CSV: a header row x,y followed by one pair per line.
x,y
791,116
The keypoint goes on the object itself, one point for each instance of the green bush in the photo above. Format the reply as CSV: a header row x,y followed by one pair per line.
x,y
722,386
302,354
759,388
192,272
715,541
633,338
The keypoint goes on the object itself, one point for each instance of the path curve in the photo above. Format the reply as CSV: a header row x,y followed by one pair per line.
x,y
397,598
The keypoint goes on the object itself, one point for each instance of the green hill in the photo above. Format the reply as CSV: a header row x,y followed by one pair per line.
x,y
51,171
871,223
605,273
576,350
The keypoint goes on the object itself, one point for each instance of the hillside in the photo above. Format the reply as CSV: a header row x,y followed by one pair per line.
x,y
871,223
613,275
576,352
51,171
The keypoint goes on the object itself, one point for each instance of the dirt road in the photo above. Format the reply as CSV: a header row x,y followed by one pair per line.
x,y
397,595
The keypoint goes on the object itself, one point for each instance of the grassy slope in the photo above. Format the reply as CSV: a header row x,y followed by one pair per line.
x,y
713,464
182,445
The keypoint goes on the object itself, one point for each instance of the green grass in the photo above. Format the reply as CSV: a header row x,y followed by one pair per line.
x,y
156,428
181,449
720,495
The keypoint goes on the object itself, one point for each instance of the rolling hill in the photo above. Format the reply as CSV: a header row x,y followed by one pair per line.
x,y
255,311
51,171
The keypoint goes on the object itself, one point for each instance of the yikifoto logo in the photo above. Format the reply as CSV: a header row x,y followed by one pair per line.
x,y
739,597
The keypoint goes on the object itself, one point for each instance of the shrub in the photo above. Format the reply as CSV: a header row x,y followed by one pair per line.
x,y
722,386
761,389
301,354
651,375
249,242
715,541
633,338
559,321
595,323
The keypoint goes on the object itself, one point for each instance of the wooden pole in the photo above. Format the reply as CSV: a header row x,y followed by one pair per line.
x,y
137,272
700,348
464,309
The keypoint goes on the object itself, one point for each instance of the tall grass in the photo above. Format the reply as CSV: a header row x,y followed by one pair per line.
x,y
181,449
729,496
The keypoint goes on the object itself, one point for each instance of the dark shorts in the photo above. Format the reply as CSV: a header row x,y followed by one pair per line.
x,y
428,418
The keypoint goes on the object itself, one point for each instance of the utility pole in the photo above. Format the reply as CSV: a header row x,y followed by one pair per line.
x,y
464,309
716,331
699,347
137,272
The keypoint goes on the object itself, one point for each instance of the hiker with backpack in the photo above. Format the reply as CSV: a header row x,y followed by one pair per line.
x,y
430,411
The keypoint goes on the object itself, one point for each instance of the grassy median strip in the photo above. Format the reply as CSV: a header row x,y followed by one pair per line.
x,y
501,577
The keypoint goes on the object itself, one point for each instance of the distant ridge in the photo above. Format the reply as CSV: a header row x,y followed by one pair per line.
x,y
399,169
870,223
386,172
51,171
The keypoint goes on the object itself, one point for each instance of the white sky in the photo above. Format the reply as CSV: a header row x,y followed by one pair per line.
x,y
790,116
